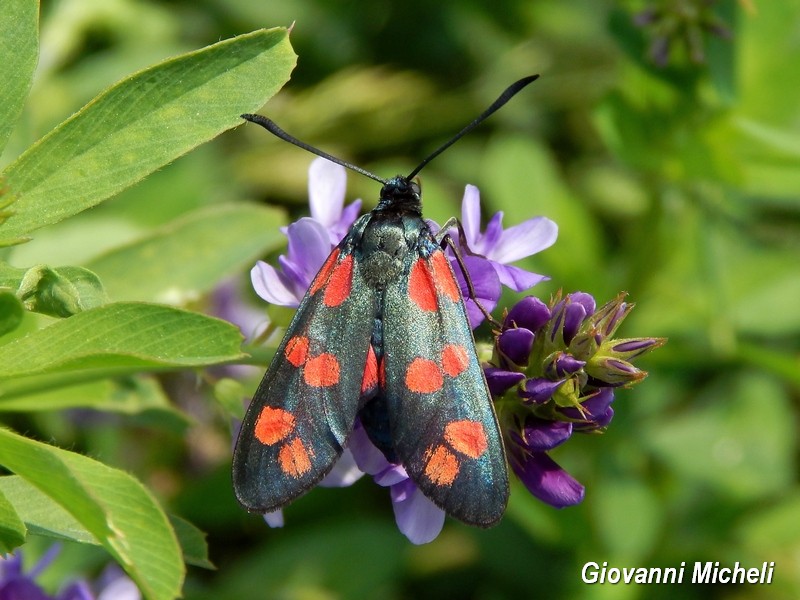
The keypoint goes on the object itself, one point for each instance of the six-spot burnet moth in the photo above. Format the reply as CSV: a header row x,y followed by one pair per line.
x,y
381,335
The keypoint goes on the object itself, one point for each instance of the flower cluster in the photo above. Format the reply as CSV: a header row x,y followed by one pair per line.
x,y
671,21
15,583
555,371
555,367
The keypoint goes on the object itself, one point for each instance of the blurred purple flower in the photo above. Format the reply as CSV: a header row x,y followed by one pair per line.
x,y
556,367
671,24
113,584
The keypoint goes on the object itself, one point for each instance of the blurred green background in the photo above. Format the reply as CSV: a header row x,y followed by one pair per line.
x,y
668,151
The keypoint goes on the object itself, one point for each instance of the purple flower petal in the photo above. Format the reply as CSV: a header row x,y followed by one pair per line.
x,y
515,345
594,411
574,315
366,456
525,239
271,285
77,590
530,313
517,279
344,473
567,364
585,300
471,216
118,587
500,380
419,519
274,519
484,281
538,390
309,246
545,479
492,236
539,435
22,589
327,184
349,216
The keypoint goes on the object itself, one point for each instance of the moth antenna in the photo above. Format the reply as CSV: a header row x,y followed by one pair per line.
x,y
507,94
270,126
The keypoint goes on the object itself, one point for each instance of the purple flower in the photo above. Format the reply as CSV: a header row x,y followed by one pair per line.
x,y
419,519
668,23
311,239
556,368
113,584
488,254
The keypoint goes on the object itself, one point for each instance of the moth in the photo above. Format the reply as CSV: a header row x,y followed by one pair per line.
x,y
382,335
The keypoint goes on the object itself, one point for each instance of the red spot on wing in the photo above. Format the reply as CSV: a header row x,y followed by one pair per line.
x,y
382,373
442,466
294,459
455,359
370,379
296,350
273,425
421,287
466,437
340,283
423,376
443,275
324,272
321,371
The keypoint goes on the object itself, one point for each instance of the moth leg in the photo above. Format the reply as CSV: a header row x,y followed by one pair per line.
x,y
443,238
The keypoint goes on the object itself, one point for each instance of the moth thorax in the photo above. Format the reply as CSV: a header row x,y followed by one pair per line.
x,y
383,247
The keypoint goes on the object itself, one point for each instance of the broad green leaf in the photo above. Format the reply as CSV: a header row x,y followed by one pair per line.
x,y
184,259
110,504
41,514
143,123
125,395
116,339
12,529
193,543
19,50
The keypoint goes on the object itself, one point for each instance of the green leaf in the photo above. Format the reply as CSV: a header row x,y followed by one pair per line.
x,y
125,395
12,529
11,311
19,50
186,258
143,123
41,514
115,508
116,339
193,543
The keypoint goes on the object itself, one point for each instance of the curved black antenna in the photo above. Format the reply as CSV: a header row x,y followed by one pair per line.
x,y
507,94
270,126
